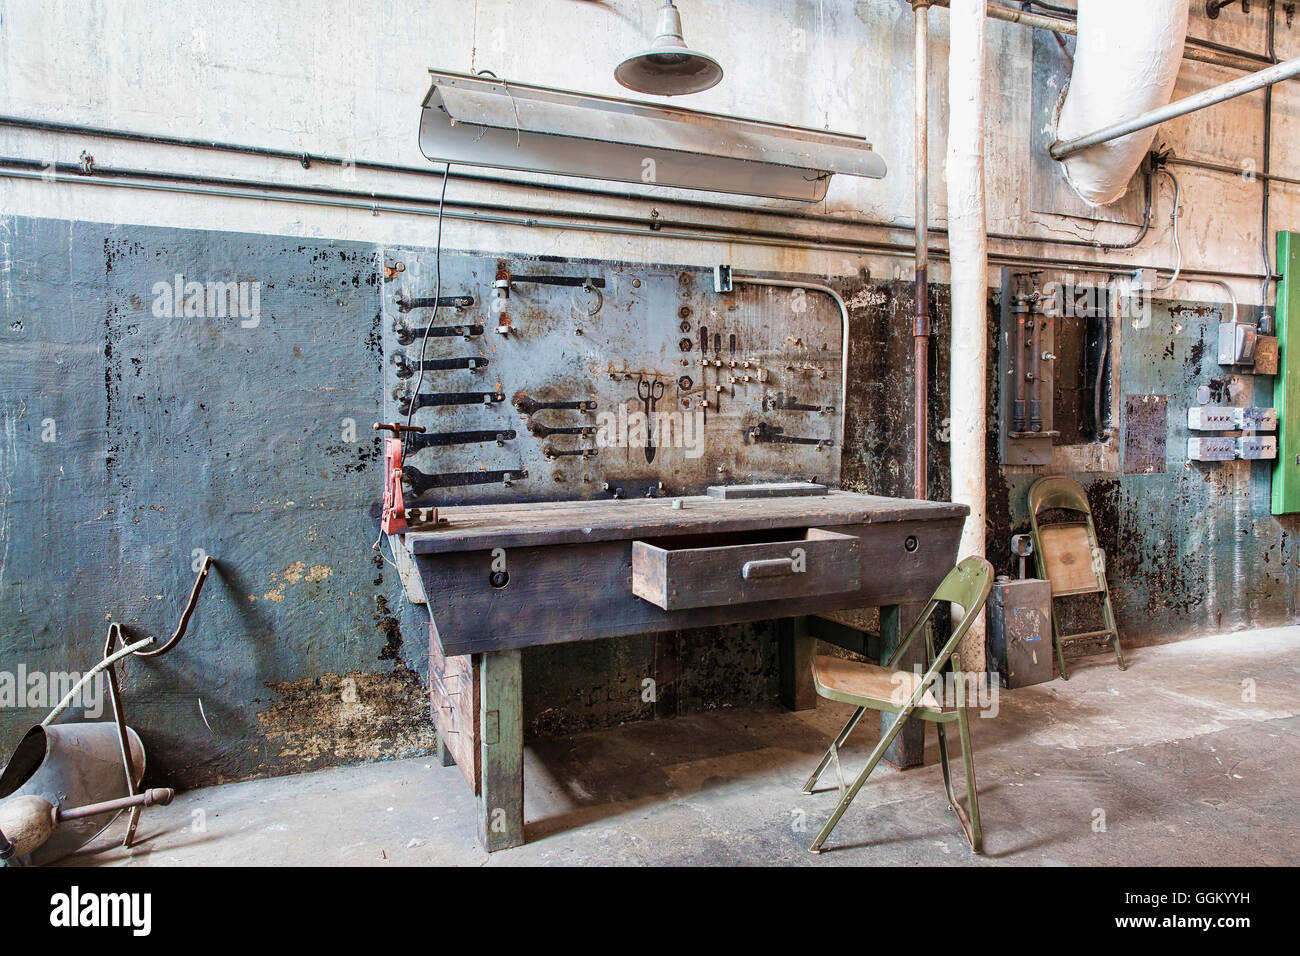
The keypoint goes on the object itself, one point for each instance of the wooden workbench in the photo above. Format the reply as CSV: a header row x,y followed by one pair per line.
x,y
498,578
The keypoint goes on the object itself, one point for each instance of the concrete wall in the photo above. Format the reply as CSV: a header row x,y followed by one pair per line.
x,y
172,436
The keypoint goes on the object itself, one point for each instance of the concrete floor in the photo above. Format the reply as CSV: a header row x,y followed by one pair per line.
x,y
1183,768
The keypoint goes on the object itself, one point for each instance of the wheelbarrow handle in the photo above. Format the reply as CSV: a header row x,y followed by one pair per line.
x,y
190,605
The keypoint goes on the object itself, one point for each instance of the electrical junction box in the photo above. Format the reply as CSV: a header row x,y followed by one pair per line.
x,y
1019,631
1211,449
1257,447
1266,355
1256,419
1211,418
1237,343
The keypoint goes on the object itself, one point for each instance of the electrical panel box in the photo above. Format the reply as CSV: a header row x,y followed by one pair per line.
x,y
1211,449
1019,618
1257,447
1026,368
1237,343
1211,418
1256,419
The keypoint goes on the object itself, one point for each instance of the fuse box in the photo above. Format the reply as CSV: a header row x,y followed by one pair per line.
x,y
1256,419
1211,418
1211,449
1257,447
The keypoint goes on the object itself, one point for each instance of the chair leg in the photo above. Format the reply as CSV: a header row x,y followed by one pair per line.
x,y
1108,613
847,798
1060,653
970,824
943,762
838,742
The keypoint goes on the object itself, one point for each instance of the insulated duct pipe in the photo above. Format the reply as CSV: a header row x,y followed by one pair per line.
x,y
1199,101
1202,51
921,323
1126,63
968,242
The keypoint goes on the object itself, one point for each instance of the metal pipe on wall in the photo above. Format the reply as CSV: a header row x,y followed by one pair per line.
x,y
921,324
1036,20
309,159
1202,51
1125,62
371,203
1189,104
1266,317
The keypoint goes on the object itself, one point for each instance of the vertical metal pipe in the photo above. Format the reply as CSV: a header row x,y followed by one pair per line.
x,y
921,325
1266,317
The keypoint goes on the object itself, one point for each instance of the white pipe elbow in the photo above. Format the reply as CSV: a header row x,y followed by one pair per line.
x,y
1126,62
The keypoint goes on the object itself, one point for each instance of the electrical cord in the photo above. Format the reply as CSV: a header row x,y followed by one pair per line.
x,y
378,547
1173,218
437,296
424,342
1266,318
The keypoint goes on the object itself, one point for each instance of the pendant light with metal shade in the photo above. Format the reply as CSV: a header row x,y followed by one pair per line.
x,y
669,67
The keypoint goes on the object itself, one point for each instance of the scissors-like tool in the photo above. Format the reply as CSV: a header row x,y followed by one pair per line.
x,y
649,393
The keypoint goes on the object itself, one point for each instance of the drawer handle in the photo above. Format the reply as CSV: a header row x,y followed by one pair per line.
x,y
767,568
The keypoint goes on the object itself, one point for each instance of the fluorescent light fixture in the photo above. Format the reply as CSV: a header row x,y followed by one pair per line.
x,y
485,121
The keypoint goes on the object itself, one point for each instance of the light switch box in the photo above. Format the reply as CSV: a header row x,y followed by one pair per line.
x,y
1211,418
1256,447
1211,449
1256,418
1237,343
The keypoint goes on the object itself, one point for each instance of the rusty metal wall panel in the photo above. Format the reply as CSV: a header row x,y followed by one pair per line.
x,y
630,339
1145,434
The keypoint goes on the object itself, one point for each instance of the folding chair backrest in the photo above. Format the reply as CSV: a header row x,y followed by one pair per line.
x,y
1055,492
1065,552
967,585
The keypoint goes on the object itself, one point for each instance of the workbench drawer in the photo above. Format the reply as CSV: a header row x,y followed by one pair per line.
x,y
675,574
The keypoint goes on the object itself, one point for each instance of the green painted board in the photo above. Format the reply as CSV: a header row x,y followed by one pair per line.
x,y
1286,388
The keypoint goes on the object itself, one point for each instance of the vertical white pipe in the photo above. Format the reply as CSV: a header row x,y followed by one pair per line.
x,y
968,239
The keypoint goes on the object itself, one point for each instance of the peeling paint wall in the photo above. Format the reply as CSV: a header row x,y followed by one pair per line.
x,y
173,434
1191,547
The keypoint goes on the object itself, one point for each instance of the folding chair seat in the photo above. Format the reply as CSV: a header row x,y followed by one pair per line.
x,y
908,694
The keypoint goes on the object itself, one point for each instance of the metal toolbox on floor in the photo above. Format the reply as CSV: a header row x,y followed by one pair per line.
x,y
1019,634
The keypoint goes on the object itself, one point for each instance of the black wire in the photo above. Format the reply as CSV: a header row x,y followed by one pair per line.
x,y
1266,318
1051,8
437,295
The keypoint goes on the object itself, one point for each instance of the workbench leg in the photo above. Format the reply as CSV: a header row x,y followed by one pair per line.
x,y
908,748
795,656
501,720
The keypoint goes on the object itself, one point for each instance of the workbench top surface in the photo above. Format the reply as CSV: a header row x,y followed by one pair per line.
x,y
537,524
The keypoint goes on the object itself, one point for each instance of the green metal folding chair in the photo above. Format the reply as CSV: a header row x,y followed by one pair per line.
x,y
1067,554
907,694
